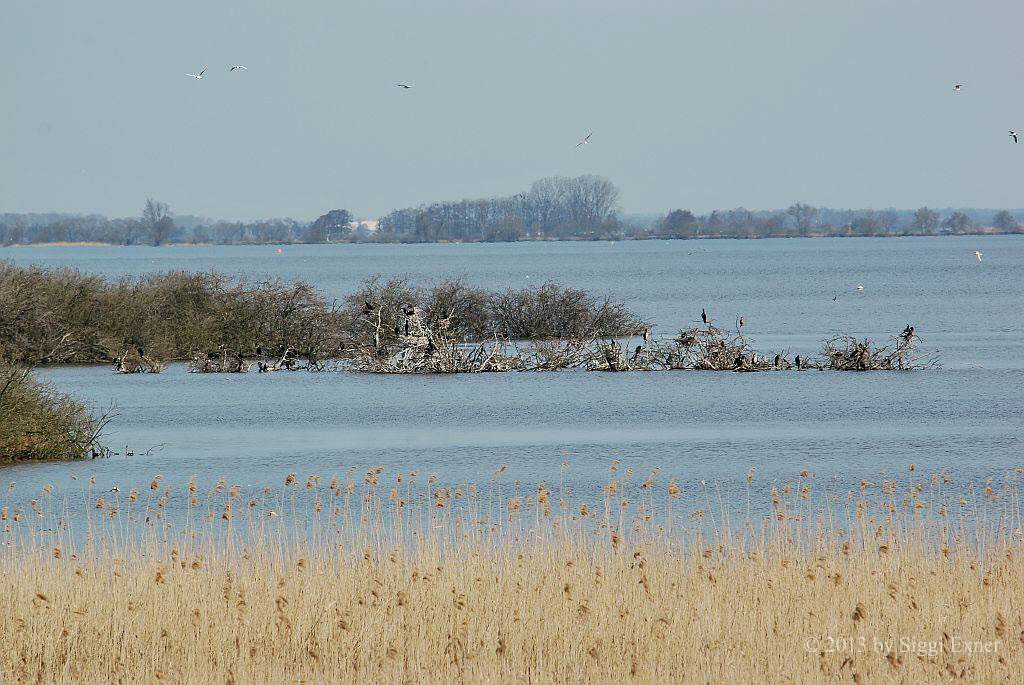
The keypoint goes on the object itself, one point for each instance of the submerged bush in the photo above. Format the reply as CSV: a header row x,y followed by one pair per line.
x,y
38,423
169,316
546,312
179,315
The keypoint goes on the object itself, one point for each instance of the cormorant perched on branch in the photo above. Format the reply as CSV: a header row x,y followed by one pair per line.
x,y
778,360
907,333
797,362
407,326
703,315
410,311
367,308
141,351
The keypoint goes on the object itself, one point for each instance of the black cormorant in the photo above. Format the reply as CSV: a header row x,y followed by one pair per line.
x,y
778,360
797,360
703,315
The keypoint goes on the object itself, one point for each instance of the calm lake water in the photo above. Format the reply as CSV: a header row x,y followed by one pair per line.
x,y
256,428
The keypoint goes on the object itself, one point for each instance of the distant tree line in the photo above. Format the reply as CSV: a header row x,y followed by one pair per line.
x,y
583,207
558,208
157,226
802,220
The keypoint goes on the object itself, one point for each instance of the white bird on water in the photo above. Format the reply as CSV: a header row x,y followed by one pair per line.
x,y
585,139
977,254
860,287
198,76
239,66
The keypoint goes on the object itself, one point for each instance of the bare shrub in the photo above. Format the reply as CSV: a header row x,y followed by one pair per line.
x,y
38,423
551,311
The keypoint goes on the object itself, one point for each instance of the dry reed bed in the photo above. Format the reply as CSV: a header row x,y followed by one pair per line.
x,y
916,580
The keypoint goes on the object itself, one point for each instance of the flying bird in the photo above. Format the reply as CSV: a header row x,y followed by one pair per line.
x,y
198,76
958,86
860,287
978,255
404,86
1013,134
585,139
238,66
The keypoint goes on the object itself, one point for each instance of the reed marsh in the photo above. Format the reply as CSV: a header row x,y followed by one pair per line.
x,y
382,576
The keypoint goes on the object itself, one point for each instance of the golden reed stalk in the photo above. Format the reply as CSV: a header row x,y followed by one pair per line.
x,y
919,580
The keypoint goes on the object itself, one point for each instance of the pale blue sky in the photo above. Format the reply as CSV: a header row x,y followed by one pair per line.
x,y
711,104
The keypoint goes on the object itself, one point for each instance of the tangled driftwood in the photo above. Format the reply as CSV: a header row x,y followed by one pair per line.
x,y
134,360
220,361
233,361
399,338
846,353
419,348
416,347
695,349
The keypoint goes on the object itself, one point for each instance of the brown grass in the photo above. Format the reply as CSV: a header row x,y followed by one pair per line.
x,y
917,581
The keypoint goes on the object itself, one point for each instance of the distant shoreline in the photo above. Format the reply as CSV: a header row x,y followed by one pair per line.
x,y
979,232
